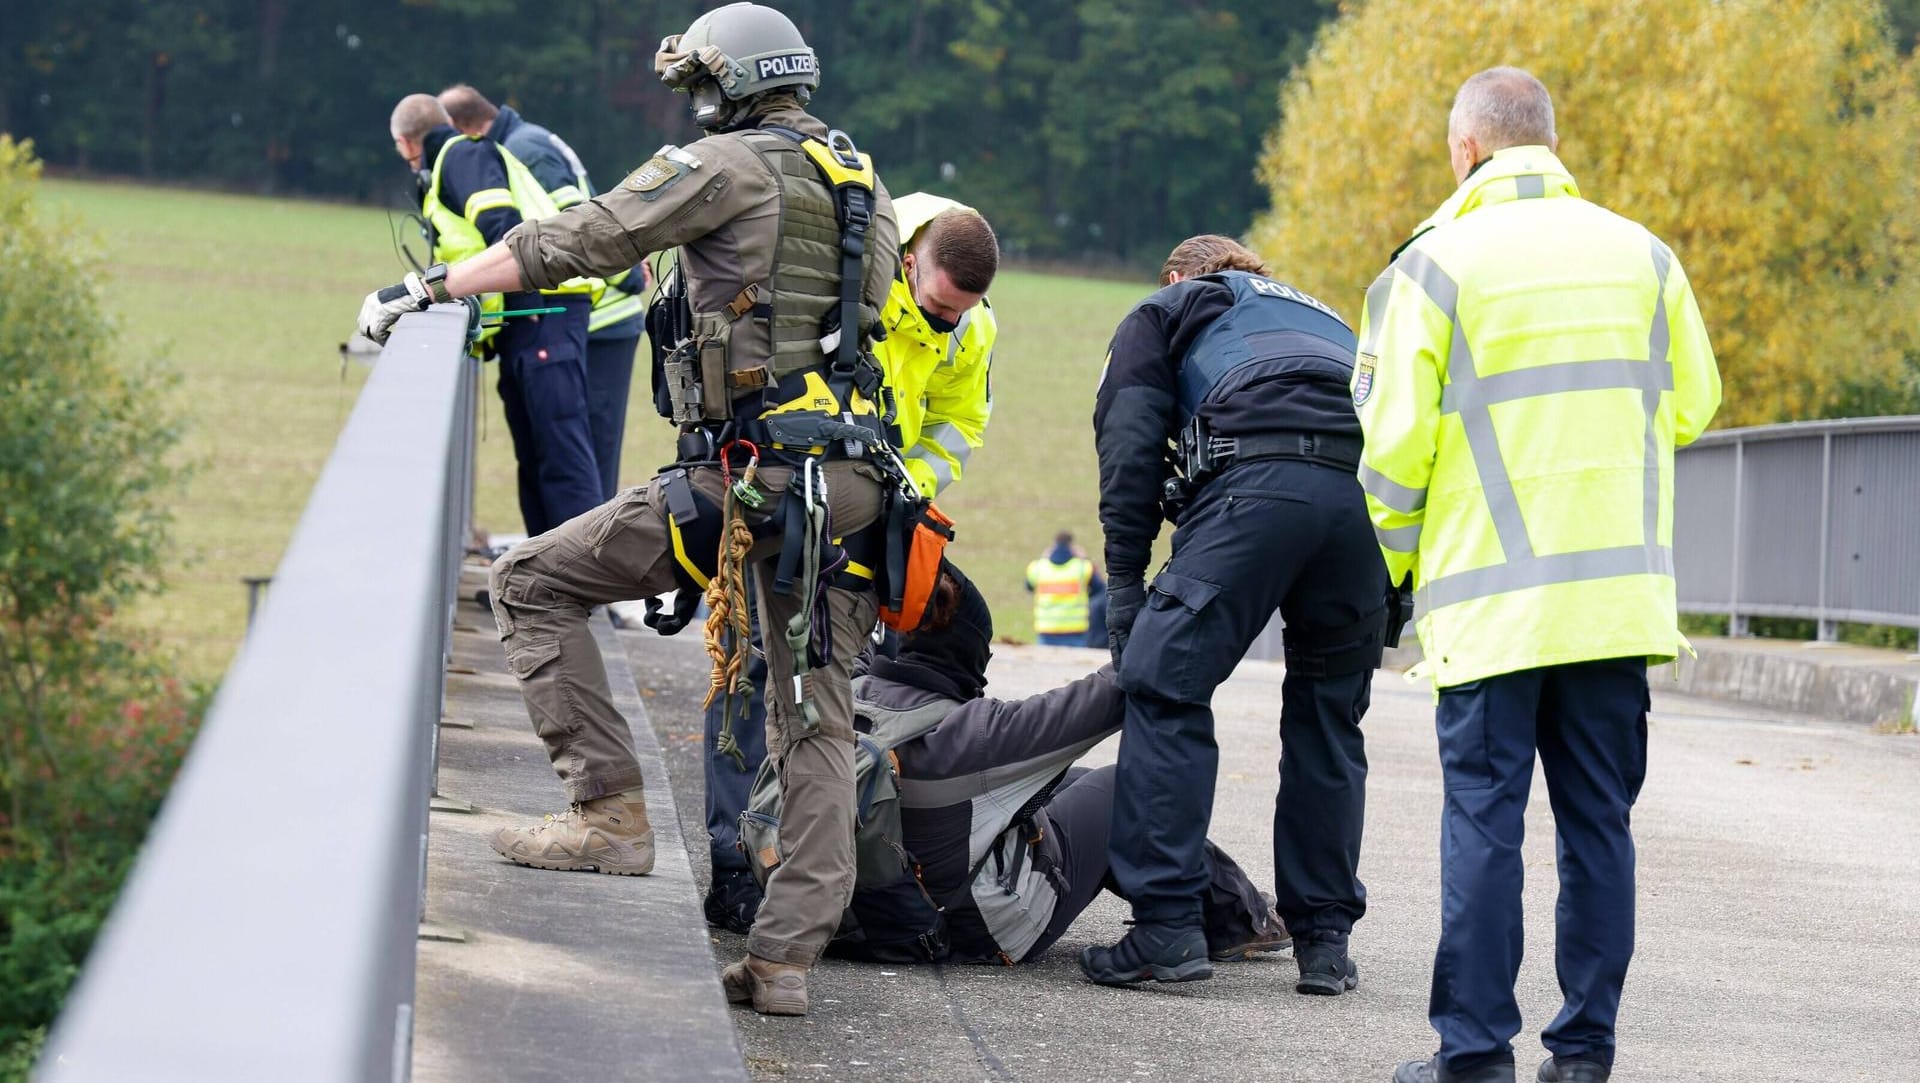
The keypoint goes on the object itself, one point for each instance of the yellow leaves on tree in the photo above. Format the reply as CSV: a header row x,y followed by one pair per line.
x,y
1770,143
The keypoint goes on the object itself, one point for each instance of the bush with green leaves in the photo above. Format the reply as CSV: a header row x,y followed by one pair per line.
x,y
92,727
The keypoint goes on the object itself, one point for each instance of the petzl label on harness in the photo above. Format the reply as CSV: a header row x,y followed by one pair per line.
x,y
658,174
1363,378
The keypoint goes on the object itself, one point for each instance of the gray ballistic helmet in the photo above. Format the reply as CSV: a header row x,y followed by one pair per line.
x,y
733,53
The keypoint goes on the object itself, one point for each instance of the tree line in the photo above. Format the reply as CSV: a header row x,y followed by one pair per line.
x,y
1093,130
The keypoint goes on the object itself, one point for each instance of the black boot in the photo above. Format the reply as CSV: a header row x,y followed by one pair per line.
x,y
1325,969
732,901
1573,1070
1150,952
1429,1071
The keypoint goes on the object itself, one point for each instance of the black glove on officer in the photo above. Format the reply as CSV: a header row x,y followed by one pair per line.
x,y
685,604
1125,596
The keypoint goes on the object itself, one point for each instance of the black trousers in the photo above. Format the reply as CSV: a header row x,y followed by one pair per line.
x,y
1276,534
1081,816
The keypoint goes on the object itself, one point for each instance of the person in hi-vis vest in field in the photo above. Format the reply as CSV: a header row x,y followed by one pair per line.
x,y
1064,584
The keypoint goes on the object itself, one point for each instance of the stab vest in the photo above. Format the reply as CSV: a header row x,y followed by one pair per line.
x,y
1272,331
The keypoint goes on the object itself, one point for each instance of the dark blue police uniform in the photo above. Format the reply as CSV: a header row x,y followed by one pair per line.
x,y
1255,373
543,374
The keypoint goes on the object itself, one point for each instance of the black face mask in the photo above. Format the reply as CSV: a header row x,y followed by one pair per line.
x,y
940,326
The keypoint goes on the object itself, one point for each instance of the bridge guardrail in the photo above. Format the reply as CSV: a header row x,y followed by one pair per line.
x,y
1812,519
268,929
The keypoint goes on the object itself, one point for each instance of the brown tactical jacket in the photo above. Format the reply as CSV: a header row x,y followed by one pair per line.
x,y
716,200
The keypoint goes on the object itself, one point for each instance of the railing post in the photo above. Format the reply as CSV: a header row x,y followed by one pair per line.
x,y
1828,630
1736,623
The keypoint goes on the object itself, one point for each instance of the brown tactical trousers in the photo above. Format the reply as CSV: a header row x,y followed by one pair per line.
x,y
542,591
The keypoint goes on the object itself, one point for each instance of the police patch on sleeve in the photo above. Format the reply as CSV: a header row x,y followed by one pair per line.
x,y
656,176
1363,378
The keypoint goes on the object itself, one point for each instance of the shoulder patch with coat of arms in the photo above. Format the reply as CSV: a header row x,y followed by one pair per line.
x,y
1363,378
657,175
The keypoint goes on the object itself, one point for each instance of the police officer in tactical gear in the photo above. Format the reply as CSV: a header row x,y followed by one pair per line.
x,y
787,245
1248,377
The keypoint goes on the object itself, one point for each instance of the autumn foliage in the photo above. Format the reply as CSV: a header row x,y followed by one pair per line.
x,y
1770,143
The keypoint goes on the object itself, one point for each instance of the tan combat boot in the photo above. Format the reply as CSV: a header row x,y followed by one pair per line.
x,y
773,988
608,834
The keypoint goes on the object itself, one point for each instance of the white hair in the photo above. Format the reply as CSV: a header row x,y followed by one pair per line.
x,y
1503,107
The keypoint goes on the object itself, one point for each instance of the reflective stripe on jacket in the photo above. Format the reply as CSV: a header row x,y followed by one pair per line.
x,y
457,238
1526,367
940,381
1061,594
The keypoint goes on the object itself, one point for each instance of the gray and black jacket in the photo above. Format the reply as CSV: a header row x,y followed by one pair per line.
x,y
970,792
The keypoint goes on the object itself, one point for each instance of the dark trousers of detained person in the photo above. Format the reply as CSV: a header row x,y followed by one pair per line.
x,y
1588,724
1271,534
543,388
1081,816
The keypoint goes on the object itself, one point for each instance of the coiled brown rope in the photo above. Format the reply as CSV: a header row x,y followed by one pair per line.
x,y
729,630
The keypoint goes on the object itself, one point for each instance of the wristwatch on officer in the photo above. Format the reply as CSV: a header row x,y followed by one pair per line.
x,y
435,279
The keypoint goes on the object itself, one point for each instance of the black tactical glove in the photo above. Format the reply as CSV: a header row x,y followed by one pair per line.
x,y
686,602
1125,596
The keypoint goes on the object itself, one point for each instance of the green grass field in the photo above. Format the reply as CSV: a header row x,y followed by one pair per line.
x,y
249,299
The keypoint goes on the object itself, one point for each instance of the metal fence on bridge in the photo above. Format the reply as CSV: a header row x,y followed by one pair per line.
x,y
268,930
1812,519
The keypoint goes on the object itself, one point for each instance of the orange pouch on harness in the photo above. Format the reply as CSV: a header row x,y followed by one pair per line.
x,y
925,540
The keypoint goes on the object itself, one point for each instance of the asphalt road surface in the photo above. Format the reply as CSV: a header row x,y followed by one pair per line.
x,y
1779,921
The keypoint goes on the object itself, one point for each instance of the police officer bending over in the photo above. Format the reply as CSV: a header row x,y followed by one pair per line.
x,y
1249,376
772,359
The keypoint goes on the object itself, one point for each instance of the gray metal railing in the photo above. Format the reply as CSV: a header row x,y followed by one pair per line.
x,y
268,929
1812,519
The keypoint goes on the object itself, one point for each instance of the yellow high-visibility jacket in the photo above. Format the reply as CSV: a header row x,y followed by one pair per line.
x,y
1526,367
940,385
455,237
1062,595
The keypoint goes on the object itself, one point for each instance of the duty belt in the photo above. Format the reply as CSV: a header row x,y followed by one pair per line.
x,y
1331,449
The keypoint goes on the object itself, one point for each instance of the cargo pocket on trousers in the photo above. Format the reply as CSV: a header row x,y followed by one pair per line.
x,y
1466,755
528,654
1182,642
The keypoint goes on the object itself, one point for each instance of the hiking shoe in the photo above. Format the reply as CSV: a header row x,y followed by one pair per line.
x,y
1429,1071
1572,1070
603,835
1325,969
1270,937
772,988
1149,953
732,900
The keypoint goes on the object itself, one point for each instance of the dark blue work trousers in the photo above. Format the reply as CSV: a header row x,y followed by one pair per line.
x,y
543,386
609,380
1588,722
1267,535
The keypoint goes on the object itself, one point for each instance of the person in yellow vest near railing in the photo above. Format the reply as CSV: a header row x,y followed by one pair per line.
x,y
1063,584
619,310
476,192
1525,367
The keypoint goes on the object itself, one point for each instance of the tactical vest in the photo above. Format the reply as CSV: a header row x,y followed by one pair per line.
x,y
1259,339
769,349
